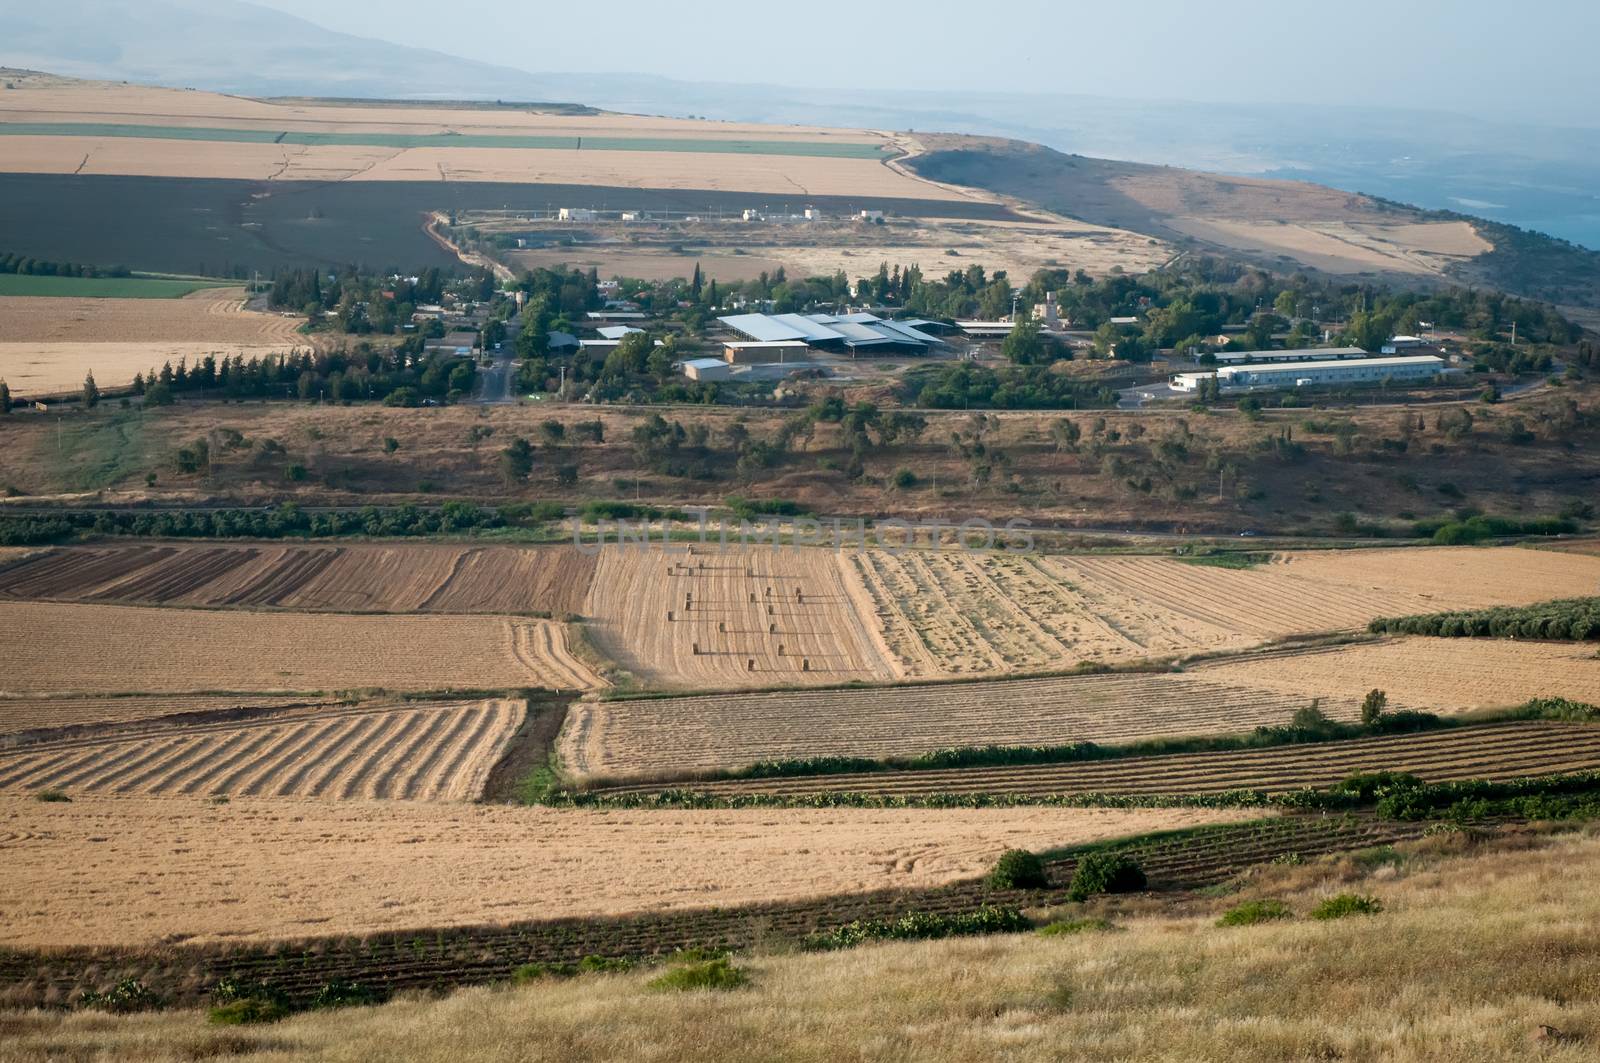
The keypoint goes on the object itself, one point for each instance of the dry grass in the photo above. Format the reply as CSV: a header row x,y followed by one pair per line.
x,y
48,713
1472,955
137,870
759,617
101,649
415,752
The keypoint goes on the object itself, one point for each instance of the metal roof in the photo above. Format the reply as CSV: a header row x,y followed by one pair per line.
x,y
617,332
810,328
762,327
1309,354
1350,364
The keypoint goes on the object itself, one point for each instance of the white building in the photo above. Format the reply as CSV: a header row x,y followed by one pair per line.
x,y
578,214
1404,343
870,215
1311,354
1316,374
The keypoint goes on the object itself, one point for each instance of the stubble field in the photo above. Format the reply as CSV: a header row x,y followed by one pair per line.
x,y
735,618
413,752
103,649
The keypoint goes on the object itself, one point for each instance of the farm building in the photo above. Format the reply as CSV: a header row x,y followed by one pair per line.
x,y
854,333
561,341
578,214
1316,374
616,315
987,330
754,352
706,369
1313,354
617,332
1404,343
460,343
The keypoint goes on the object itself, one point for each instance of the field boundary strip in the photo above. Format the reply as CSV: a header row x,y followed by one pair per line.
x,y
403,141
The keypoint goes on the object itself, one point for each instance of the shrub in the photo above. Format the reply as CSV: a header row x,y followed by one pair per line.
x,y
1346,904
52,796
1106,873
247,1012
921,926
341,994
1063,927
127,996
604,965
538,972
1252,912
712,975
1018,869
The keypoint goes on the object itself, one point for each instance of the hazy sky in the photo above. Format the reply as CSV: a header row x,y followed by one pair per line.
x,y
1533,59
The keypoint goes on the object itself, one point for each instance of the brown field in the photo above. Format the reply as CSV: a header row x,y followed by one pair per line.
x,y
133,870
24,714
1343,247
1500,751
663,739
49,344
414,753
1439,675
94,649
760,617
652,265
957,613
411,578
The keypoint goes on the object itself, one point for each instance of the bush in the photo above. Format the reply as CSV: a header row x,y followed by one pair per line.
x,y
1252,912
124,998
712,975
921,926
341,994
1106,873
1018,869
52,796
1064,927
248,1011
1346,904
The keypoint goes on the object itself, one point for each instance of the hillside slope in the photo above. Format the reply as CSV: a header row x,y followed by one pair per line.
x,y
1278,224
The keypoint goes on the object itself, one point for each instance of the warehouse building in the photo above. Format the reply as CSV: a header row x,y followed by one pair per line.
x,y
1311,354
1316,374
852,333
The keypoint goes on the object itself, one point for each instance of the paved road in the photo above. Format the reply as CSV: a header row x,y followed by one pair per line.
x,y
496,385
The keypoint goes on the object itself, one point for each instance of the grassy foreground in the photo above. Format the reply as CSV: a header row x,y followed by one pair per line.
x,y
1476,949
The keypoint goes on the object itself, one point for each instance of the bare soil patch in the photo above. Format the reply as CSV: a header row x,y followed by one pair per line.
x,y
106,870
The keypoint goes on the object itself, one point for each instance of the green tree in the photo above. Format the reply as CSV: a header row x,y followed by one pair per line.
x,y
1372,708
91,392
1025,345
553,431
516,461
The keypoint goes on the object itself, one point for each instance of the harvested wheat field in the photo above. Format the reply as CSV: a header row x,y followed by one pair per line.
x,y
101,649
1437,675
1499,751
730,618
57,715
410,578
47,345
410,752
958,613
139,870
675,737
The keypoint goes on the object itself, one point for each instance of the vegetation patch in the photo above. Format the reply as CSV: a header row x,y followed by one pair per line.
x,y
1069,927
1018,869
1106,872
1252,912
711,975
921,926
1569,619
1346,904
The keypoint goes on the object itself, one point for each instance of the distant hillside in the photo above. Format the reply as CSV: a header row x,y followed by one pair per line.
x,y
1280,224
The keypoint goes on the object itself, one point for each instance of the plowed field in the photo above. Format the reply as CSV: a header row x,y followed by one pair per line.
x,y
134,870
421,753
51,713
734,618
102,649
361,578
1501,751
956,613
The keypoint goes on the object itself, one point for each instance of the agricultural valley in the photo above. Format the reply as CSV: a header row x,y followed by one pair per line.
x,y
469,570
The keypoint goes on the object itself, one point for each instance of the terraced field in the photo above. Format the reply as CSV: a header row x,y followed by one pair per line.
x,y
1499,751
678,737
734,618
960,614
365,578
413,753
51,648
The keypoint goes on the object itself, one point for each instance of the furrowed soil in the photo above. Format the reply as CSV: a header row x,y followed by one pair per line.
x,y
736,618
101,649
48,345
1500,751
958,613
409,578
414,752
664,739
20,715
135,870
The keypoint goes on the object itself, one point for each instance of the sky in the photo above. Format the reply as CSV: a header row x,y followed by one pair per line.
x,y
1532,60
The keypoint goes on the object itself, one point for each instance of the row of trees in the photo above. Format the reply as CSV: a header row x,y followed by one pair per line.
x,y
402,375
37,267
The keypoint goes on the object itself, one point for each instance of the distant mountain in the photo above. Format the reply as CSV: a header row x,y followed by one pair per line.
x,y
236,47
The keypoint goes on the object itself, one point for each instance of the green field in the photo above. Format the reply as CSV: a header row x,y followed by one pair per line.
x,y
812,149
105,287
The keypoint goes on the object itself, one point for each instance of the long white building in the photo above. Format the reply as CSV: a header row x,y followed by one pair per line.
x,y
1315,374
1312,354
